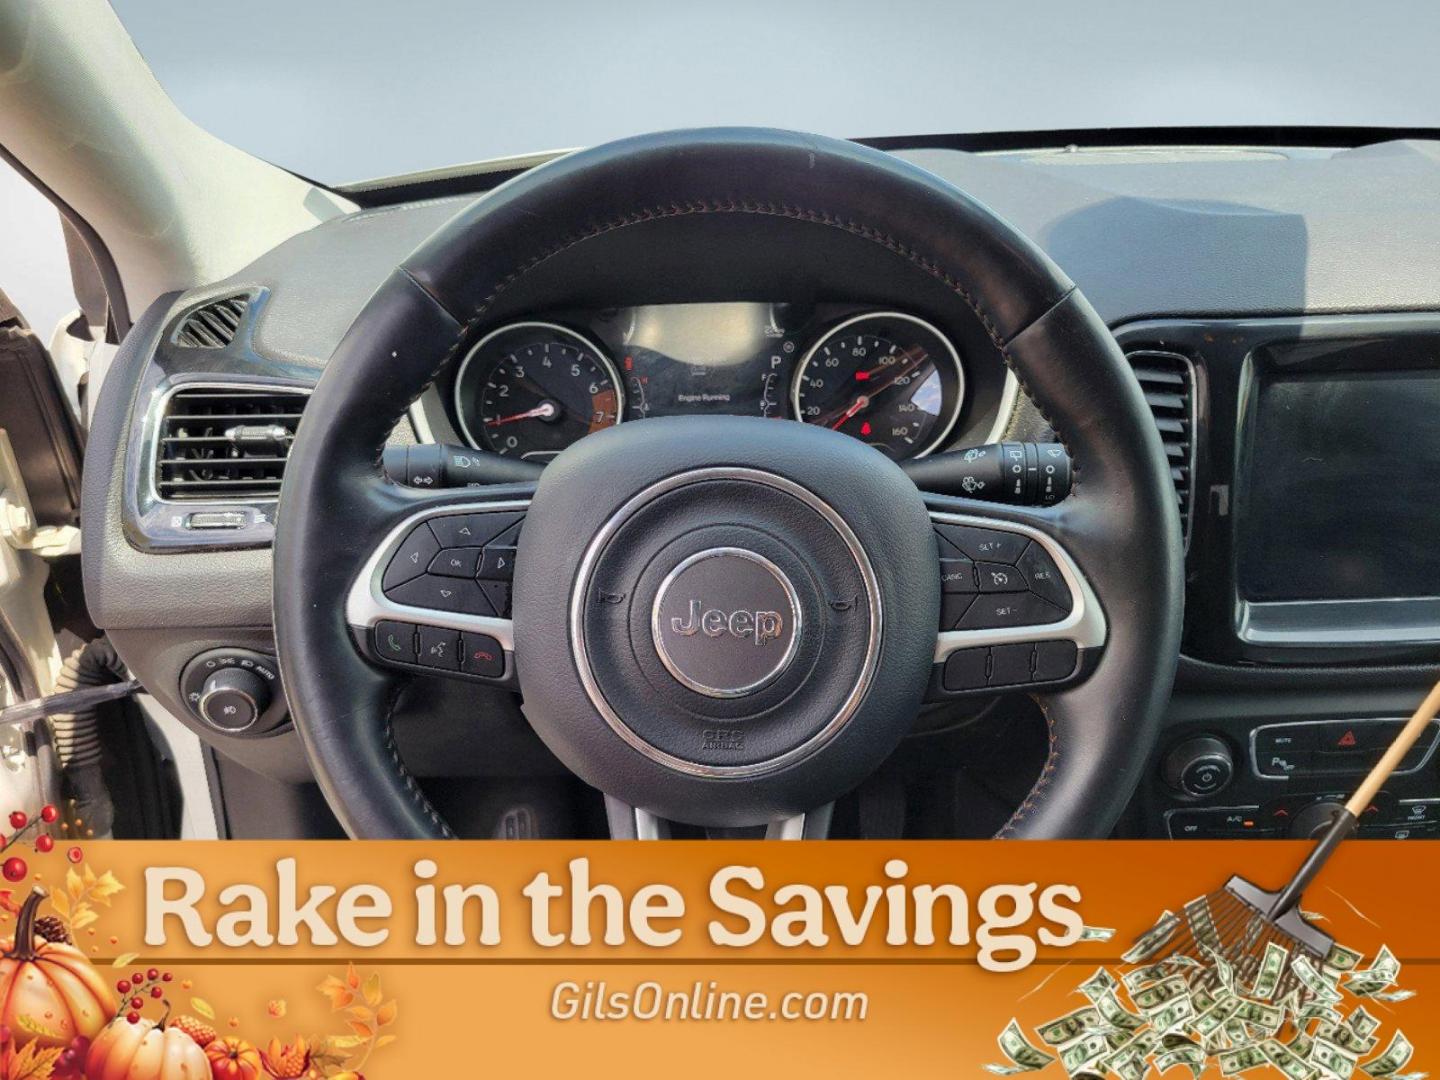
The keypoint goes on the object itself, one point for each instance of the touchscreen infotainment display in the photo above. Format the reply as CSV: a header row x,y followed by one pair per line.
x,y
1338,493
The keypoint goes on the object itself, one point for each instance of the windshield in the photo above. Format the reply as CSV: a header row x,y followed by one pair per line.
x,y
343,90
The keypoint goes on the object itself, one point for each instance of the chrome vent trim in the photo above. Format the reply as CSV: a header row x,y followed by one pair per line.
x,y
219,442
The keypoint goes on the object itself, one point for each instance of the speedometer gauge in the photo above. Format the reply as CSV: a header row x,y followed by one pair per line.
x,y
531,389
891,380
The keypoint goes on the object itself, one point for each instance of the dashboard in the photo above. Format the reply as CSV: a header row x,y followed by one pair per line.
x,y
1291,358
532,387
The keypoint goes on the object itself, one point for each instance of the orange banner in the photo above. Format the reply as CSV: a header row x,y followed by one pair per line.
x,y
640,959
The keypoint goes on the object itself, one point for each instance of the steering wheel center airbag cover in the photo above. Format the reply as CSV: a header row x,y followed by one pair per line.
x,y
724,607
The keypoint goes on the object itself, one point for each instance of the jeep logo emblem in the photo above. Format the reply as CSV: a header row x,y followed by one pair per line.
x,y
726,622
757,626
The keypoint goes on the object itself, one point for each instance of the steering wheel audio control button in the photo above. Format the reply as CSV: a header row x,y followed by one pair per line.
x,y
472,530
456,562
965,669
412,559
460,595
481,655
497,563
1055,660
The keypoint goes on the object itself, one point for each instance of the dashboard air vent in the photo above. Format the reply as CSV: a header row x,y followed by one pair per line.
x,y
225,443
1168,380
213,326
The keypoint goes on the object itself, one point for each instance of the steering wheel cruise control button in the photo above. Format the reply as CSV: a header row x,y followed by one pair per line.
x,y
957,576
412,559
1044,576
999,578
990,545
952,608
1009,610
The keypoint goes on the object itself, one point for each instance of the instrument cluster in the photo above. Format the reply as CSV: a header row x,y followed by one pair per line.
x,y
530,389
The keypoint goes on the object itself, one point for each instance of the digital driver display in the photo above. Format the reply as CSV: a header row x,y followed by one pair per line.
x,y
1338,492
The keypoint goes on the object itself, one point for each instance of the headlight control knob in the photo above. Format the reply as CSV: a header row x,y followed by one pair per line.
x,y
234,691
234,698
1200,767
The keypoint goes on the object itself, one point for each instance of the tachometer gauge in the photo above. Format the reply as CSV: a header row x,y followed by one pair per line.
x,y
891,380
531,389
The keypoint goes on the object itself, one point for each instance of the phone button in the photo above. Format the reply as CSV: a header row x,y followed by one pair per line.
x,y
482,655
395,641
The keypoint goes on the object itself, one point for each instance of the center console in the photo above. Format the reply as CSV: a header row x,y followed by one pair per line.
x,y
1307,477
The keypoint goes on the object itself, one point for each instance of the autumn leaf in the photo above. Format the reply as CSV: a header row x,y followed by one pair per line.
x,y
352,977
105,888
33,1063
203,1007
339,994
61,903
73,884
360,1012
124,959
384,1040
372,990
341,1043
365,1031
84,915
386,1013
35,1027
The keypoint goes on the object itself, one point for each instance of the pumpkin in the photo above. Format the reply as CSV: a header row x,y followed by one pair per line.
x,y
233,1059
145,1050
52,985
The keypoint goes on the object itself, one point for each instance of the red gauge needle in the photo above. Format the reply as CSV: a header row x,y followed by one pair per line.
x,y
859,403
544,411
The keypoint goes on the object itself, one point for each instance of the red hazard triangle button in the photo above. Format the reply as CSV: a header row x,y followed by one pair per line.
x,y
1347,740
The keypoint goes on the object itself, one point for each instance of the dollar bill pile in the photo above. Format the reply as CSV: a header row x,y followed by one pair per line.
x,y
1182,1010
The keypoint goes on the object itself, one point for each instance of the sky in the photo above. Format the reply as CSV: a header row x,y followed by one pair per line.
x,y
342,90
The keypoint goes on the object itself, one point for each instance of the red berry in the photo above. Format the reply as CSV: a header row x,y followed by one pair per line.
x,y
68,1058
166,977
44,844
137,1002
133,1017
152,974
3,841
123,986
157,992
18,819
14,869
75,854
49,814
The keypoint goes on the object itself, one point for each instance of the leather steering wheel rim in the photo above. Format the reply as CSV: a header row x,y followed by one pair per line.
x,y
1119,522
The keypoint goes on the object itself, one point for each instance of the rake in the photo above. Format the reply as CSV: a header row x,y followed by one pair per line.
x,y
1239,921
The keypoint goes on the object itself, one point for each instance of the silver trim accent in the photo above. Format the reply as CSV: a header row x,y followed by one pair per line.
x,y
1255,757
786,828
366,604
581,589
657,630
254,708
154,424
1170,833
527,324
949,345
1009,398
1085,625
650,827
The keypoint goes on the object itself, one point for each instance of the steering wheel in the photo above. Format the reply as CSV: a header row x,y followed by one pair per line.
x,y
727,621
